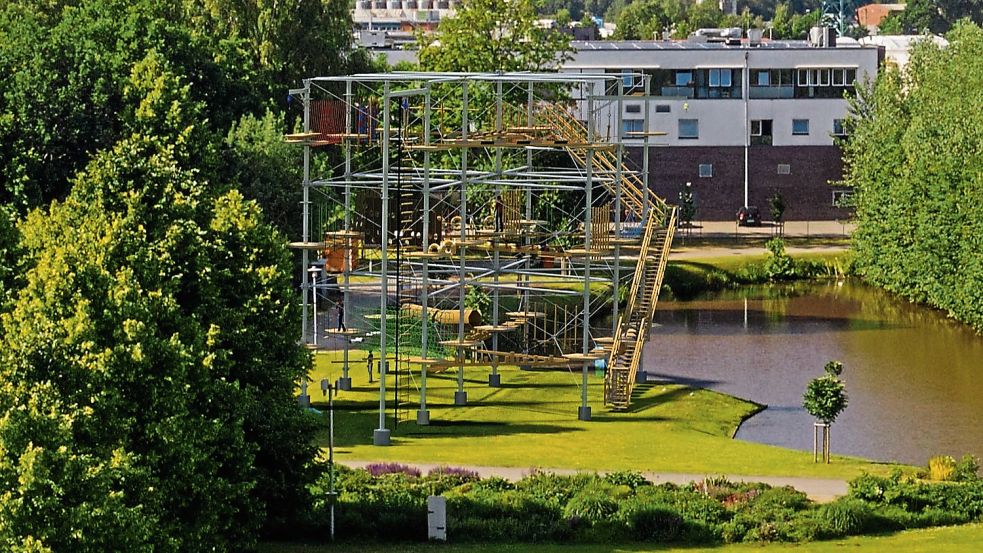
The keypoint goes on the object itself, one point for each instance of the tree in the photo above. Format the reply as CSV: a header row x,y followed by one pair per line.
x,y
265,168
148,368
82,55
687,205
645,19
11,257
781,23
493,35
912,160
825,398
777,205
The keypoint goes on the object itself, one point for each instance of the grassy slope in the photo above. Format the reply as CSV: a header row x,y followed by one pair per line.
x,y
531,422
954,539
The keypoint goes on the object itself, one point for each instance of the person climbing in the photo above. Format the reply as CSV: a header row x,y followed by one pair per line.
x,y
499,214
341,315
368,365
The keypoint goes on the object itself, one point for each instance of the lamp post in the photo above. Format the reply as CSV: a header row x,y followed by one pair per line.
x,y
314,270
327,389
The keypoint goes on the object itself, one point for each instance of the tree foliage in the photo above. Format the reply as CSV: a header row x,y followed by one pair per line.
x,y
914,159
149,363
493,35
825,397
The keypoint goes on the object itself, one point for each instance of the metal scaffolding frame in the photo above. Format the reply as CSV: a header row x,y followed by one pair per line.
x,y
439,179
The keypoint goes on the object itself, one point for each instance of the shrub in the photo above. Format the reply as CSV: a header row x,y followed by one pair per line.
x,y
554,488
967,469
941,468
631,479
656,523
844,517
591,505
378,469
487,514
457,472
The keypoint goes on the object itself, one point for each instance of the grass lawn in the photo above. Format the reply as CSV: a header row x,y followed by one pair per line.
x,y
531,421
952,539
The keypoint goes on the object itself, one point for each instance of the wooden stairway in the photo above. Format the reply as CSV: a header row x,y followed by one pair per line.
x,y
659,219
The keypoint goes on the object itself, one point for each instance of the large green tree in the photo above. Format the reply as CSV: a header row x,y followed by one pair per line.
x,y
67,71
149,364
914,159
493,35
646,19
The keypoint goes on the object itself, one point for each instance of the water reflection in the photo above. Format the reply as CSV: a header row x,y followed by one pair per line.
x,y
911,373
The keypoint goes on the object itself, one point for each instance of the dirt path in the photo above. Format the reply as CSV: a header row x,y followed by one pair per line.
x,y
817,489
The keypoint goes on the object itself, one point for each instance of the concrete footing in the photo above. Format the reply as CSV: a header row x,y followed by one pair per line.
x,y
423,417
345,384
381,436
583,413
460,398
494,380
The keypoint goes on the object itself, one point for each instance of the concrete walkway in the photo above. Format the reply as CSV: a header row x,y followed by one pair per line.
x,y
817,489
797,229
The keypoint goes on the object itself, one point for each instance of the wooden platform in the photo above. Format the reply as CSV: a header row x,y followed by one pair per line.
x,y
494,328
346,332
526,314
582,357
306,245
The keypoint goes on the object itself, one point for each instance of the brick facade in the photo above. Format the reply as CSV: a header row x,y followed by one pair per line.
x,y
806,189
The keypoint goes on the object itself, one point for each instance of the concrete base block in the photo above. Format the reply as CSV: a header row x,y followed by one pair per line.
x,y
423,417
494,380
304,401
381,436
641,377
583,413
460,398
345,384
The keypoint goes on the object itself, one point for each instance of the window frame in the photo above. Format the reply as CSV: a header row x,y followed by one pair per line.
x,y
800,132
787,168
709,172
679,129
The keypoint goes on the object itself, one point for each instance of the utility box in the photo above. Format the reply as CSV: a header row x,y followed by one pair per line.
x,y
437,518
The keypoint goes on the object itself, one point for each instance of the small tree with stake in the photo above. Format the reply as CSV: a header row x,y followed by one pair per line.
x,y
687,206
825,398
777,205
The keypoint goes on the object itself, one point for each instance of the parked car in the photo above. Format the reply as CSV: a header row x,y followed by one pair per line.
x,y
749,216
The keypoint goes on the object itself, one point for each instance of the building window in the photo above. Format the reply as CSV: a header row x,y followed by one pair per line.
x,y
761,132
838,128
839,77
842,198
662,108
762,78
784,169
706,170
689,128
800,126
719,78
633,108
684,78
631,125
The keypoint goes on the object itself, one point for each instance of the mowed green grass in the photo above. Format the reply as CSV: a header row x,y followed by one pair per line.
x,y
531,421
951,539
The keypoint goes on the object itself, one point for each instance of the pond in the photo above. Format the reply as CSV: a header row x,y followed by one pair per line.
x,y
914,377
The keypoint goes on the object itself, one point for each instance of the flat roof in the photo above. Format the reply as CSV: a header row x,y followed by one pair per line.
x,y
632,45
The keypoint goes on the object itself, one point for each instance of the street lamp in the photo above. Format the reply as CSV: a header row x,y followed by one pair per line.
x,y
328,390
314,270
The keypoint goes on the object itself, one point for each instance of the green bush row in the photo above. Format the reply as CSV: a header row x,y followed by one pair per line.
x,y
624,507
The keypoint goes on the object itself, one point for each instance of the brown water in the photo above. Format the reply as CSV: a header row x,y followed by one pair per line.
x,y
914,377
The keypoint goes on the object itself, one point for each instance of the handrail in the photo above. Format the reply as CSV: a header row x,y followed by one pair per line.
x,y
637,314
